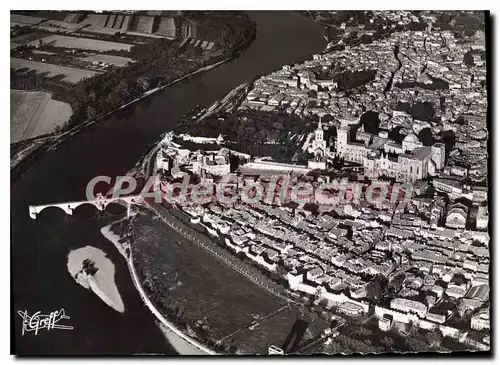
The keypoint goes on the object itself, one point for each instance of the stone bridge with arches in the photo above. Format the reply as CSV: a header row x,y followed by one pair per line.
x,y
100,203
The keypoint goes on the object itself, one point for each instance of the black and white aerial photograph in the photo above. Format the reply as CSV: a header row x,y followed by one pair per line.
x,y
250,182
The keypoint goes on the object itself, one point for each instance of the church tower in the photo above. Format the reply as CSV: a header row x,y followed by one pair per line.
x,y
319,148
318,145
319,131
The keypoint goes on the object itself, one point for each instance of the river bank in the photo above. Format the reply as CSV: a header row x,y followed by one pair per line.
x,y
182,343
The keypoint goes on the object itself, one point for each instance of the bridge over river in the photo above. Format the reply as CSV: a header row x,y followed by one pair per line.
x,y
100,203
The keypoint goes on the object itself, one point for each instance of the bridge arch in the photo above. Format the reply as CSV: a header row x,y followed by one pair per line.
x,y
118,205
37,210
86,209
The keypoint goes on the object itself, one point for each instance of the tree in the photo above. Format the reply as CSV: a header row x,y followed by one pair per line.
x,y
425,136
388,342
88,266
91,112
375,287
469,59
323,303
434,337
413,329
364,332
415,343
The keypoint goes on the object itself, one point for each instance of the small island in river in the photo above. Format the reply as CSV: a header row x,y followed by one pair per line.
x,y
91,269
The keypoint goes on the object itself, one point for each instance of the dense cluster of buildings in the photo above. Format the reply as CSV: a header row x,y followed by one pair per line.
x,y
335,255
433,249
410,68
445,270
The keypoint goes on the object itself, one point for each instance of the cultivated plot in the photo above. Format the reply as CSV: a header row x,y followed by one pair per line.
x,y
34,113
72,75
144,24
82,43
25,19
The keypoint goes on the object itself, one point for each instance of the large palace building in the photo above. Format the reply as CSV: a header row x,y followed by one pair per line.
x,y
408,162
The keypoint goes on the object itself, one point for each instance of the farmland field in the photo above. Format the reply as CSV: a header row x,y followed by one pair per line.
x,y
16,24
29,37
72,75
144,24
71,17
115,60
125,24
118,21
23,108
82,43
108,24
25,19
166,27
98,20
56,113
34,113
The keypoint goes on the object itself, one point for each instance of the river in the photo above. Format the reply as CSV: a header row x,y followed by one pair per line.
x,y
39,249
